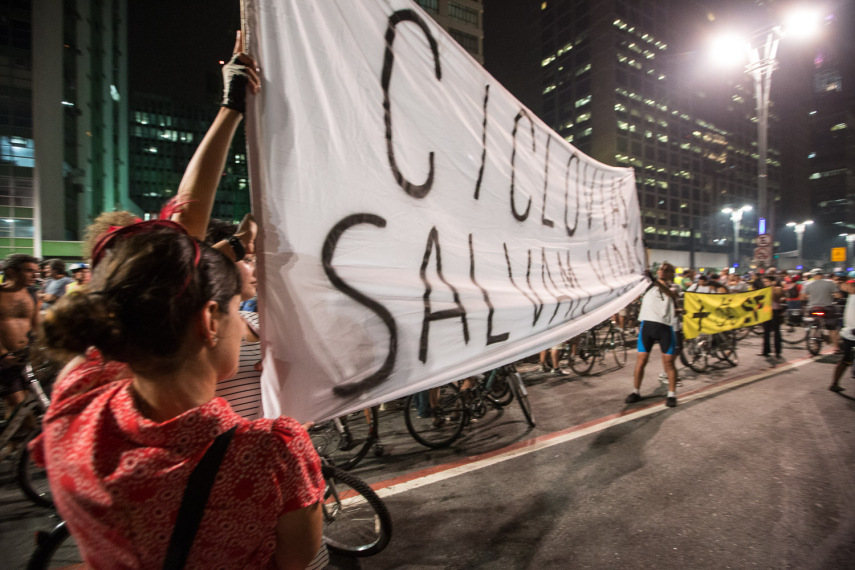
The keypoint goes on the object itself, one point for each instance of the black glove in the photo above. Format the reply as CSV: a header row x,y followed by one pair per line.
x,y
649,275
235,81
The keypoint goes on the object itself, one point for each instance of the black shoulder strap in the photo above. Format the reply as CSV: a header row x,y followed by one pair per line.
x,y
193,503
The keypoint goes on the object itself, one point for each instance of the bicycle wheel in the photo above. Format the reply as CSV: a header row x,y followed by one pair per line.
x,y
346,441
521,394
742,333
694,354
356,522
617,343
586,353
440,425
792,332
500,392
32,478
55,549
813,338
726,348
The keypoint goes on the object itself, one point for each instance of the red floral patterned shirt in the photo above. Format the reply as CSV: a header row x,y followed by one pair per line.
x,y
118,478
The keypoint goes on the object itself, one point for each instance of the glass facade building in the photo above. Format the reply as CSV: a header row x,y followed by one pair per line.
x,y
164,134
63,120
615,87
462,19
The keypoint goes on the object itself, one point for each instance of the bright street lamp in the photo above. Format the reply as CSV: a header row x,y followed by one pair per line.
x,y
736,218
799,228
761,64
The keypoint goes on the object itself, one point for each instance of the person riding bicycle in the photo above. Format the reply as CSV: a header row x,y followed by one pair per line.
x,y
19,317
821,293
658,318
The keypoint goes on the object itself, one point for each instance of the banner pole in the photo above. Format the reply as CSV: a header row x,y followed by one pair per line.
x,y
243,27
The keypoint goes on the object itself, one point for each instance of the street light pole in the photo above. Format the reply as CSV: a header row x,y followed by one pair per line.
x,y
760,67
799,228
761,64
736,218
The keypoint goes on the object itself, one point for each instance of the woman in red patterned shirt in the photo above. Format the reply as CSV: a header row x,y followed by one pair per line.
x,y
129,421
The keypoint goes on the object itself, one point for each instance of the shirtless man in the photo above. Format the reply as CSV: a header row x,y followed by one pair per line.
x,y
19,316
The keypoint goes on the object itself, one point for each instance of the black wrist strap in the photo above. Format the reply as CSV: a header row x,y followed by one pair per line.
x,y
238,248
193,503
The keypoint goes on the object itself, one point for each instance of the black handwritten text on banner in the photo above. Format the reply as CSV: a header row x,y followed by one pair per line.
x,y
418,223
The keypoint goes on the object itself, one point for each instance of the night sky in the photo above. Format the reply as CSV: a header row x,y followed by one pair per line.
x,y
174,46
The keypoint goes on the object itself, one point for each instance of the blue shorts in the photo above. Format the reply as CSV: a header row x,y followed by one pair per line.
x,y
651,332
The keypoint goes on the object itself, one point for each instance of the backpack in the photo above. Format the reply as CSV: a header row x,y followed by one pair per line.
x,y
792,291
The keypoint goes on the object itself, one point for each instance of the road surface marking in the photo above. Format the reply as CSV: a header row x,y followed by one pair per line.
x,y
438,473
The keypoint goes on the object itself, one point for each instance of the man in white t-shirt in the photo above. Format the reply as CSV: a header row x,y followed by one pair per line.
x,y
658,317
847,336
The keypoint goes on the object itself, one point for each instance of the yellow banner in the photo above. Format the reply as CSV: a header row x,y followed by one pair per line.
x,y
708,313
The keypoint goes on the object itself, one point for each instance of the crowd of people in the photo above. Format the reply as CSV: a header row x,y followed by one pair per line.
x,y
162,366
790,290
161,384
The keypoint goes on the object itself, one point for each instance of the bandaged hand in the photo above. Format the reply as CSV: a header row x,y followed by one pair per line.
x,y
239,74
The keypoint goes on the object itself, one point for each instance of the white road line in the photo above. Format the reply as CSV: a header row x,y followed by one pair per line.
x,y
486,462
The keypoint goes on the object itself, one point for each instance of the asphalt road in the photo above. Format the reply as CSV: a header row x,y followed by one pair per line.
x,y
753,468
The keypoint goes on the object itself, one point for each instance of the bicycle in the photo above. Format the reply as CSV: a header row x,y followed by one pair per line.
x,y
793,327
440,421
816,333
24,425
356,523
346,440
589,349
630,320
696,352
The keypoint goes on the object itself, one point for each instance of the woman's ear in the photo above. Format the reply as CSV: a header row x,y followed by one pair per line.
x,y
209,323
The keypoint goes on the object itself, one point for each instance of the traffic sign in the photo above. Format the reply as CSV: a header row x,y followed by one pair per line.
x,y
763,240
762,253
838,254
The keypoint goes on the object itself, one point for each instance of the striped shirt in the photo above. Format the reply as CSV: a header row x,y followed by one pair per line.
x,y
243,390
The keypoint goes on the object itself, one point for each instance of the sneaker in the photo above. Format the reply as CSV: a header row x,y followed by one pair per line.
x,y
544,368
633,398
836,388
559,372
671,401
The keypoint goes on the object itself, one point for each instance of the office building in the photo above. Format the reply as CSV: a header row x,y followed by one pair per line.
x,y
617,88
63,121
832,121
164,134
462,19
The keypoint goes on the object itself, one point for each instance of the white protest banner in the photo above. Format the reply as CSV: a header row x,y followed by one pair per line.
x,y
418,224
